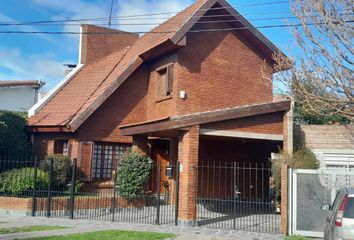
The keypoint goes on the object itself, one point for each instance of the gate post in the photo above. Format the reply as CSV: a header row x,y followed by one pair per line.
x,y
33,213
49,201
177,193
158,182
114,190
287,147
188,148
72,189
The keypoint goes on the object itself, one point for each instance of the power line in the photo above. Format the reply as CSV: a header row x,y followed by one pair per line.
x,y
134,17
33,2
45,23
160,32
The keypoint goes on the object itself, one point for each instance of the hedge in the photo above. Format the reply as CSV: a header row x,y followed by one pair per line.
x,y
14,140
17,181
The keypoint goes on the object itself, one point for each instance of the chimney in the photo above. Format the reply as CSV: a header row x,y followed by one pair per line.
x,y
102,42
69,68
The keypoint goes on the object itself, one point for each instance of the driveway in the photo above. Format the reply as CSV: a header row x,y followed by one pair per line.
x,y
79,226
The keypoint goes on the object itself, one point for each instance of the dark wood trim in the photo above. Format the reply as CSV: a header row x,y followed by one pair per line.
x,y
205,117
48,129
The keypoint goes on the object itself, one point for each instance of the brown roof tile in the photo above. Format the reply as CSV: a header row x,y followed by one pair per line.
x,y
91,86
74,99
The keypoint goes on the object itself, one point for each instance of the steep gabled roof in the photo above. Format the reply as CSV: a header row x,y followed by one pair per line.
x,y
94,83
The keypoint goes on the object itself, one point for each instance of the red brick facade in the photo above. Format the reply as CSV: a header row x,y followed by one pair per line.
x,y
217,70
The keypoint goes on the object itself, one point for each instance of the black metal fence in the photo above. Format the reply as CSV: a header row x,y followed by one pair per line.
x,y
39,191
240,196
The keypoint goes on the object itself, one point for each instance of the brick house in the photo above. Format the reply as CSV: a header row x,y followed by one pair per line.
x,y
178,92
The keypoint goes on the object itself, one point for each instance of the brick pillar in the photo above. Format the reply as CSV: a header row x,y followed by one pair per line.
x,y
74,149
85,160
140,144
50,146
188,148
287,147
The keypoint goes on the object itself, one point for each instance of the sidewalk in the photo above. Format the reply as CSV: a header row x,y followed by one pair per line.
x,y
80,226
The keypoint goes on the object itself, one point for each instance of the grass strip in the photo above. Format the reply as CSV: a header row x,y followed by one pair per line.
x,y
110,235
28,229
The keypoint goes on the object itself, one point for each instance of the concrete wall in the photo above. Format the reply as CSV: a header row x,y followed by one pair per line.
x,y
18,98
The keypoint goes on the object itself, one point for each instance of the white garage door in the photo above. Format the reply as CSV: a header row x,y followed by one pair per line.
x,y
338,159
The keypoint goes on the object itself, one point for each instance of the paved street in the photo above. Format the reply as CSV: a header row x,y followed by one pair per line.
x,y
78,226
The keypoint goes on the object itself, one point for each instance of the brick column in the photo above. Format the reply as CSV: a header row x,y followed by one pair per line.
x,y
85,160
50,146
140,144
287,147
188,148
74,149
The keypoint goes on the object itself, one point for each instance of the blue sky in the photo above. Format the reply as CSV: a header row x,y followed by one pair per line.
x,y
25,56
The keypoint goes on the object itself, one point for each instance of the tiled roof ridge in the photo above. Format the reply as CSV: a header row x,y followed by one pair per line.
x,y
175,17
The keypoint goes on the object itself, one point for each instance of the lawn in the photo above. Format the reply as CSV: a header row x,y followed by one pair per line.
x,y
296,237
28,229
110,235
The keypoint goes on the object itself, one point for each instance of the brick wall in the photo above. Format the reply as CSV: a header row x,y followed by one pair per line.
x,y
219,182
219,70
126,105
265,124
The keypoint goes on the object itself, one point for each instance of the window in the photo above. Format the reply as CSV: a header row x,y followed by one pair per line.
x,y
61,147
104,157
164,82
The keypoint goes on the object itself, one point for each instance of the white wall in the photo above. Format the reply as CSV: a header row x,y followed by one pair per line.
x,y
17,98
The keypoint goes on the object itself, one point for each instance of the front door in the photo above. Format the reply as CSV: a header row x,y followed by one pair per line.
x,y
160,154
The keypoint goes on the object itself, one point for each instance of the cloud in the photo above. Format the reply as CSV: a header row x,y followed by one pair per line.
x,y
46,65
138,7
4,18
43,66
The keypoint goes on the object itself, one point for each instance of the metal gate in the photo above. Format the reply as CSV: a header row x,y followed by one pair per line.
x,y
44,192
233,195
308,190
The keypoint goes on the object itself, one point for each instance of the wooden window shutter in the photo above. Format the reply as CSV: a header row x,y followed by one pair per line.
x,y
160,84
169,83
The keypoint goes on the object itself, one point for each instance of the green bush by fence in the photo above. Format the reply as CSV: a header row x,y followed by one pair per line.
x,y
61,168
13,137
133,174
17,181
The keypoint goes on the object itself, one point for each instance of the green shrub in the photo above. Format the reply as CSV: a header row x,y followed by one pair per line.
x,y
16,181
133,174
78,187
14,140
61,168
302,158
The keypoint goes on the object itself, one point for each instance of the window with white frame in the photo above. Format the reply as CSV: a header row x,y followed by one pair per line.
x,y
105,155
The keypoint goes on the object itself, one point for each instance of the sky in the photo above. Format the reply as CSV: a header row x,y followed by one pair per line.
x,y
41,56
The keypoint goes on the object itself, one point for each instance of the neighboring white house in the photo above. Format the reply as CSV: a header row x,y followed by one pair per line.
x,y
332,144
20,95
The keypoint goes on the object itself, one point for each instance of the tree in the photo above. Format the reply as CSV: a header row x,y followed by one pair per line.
x,y
14,140
321,76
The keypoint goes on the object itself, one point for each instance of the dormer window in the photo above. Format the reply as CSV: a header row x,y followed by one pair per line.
x,y
165,82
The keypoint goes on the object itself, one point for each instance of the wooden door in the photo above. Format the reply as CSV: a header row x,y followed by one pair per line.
x,y
160,154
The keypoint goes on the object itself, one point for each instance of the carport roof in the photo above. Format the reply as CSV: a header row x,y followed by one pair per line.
x,y
178,122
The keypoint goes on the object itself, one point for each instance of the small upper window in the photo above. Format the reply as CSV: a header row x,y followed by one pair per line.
x,y
165,82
